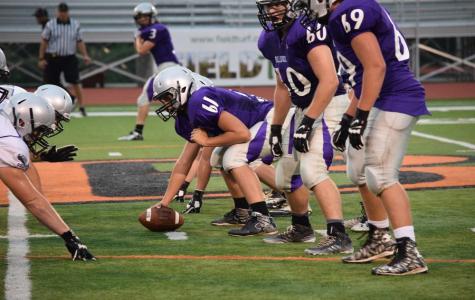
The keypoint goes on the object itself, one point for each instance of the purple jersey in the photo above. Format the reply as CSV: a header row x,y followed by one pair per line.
x,y
289,58
183,126
206,105
158,34
400,92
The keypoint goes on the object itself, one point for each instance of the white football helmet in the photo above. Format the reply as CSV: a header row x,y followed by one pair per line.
x,y
7,91
173,87
4,71
314,11
61,102
33,118
145,8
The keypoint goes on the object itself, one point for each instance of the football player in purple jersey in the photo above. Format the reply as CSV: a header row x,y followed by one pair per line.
x,y
388,102
236,123
154,38
306,77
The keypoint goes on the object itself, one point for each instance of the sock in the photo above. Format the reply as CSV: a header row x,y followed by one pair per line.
x,y
184,186
405,231
139,128
301,220
241,203
260,207
380,224
334,226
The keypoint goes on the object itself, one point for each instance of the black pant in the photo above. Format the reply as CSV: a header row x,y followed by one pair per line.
x,y
57,64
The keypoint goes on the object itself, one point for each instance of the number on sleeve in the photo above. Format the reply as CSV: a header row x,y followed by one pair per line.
x,y
349,68
320,34
357,16
212,107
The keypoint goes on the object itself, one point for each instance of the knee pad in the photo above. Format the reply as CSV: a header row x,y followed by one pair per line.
x,y
216,159
378,181
232,161
313,176
286,170
355,174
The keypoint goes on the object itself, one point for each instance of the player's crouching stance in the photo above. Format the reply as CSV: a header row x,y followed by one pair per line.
x,y
376,56
24,122
216,117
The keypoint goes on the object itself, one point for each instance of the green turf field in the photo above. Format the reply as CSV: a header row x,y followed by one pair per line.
x,y
128,270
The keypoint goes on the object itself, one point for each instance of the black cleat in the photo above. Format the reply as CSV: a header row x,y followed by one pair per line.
x,y
237,216
332,244
294,234
256,224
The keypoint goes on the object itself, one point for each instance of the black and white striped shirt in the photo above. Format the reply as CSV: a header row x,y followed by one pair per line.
x,y
62,37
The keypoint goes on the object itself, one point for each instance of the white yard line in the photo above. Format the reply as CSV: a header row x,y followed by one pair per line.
x,y
176,235
443,140
32,236
446,121
115,154
451,108
17,281
473,229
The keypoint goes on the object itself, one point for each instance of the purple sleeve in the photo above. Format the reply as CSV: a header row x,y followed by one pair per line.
x,y
354,21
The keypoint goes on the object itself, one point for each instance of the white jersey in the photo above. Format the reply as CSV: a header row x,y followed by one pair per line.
x,y
13,150
7,91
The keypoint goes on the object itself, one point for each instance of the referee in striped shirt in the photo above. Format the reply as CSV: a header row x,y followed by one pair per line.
x,y
59,40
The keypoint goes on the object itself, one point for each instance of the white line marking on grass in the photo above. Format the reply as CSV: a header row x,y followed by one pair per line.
x,y
176,235
33,236
322,232
451,108
111,114
115,154
17,281
443,140
473,229
444,121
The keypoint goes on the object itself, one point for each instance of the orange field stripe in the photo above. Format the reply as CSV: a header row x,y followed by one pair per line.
x,y
240,258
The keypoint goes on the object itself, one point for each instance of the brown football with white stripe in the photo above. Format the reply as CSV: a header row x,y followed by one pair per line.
x,y
161,219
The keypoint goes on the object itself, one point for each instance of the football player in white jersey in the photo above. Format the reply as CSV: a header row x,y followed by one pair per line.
x,y
25,121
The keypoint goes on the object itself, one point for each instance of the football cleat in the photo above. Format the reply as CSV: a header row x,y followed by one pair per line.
x,y
256,224
275,200
378,245
294,234
332,244
180,196
237,216
358,224
193,206
132,136
406,261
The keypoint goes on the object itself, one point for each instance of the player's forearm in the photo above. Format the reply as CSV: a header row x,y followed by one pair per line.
x,y
323,95
373,78
282,105
229,138
140,47
180,170
351,110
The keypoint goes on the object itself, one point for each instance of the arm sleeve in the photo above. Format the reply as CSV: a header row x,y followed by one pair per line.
x,y
309,40
205,113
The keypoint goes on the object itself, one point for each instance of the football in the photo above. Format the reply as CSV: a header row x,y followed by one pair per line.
x,y
161,219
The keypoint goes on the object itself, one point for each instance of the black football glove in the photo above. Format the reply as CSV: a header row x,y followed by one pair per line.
x,y
357,128
302,135
340,135
77,249
275,140
54,154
